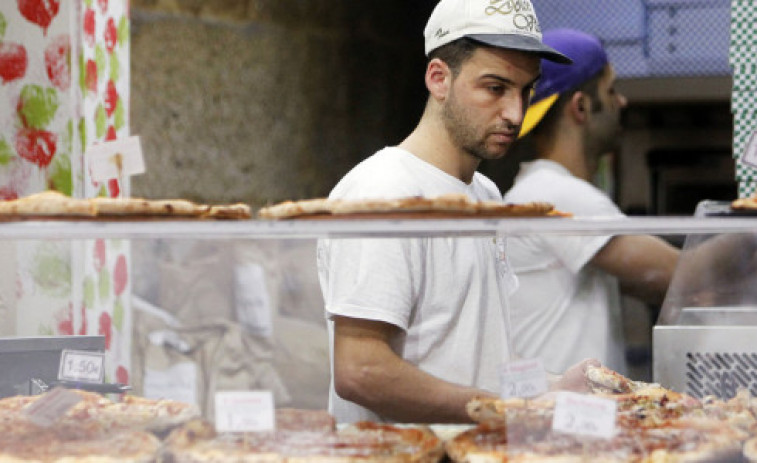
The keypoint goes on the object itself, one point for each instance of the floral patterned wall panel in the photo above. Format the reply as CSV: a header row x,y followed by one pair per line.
x,y
64,82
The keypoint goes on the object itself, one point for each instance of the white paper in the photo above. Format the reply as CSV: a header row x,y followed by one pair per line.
x,y
584,415
82,366
245,411
115,159
51,406
523,378
179,382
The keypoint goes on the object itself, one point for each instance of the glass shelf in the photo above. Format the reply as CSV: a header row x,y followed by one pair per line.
x,y
310,229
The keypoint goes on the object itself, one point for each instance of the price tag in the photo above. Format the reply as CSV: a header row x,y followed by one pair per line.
x,y
523,378
82,366
584,415
750,154
50,407
115,159
245,411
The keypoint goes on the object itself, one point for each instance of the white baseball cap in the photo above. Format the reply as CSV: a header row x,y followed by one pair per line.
x,y
510,24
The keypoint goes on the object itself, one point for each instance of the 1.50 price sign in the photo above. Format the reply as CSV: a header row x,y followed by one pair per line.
x,y
82,366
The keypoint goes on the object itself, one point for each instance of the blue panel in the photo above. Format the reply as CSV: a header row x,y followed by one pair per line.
x,y
647,38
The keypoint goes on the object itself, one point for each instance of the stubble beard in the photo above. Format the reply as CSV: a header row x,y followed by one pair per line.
x,y
463,134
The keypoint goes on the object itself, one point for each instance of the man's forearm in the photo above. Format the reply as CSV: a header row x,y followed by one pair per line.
x,y
369,373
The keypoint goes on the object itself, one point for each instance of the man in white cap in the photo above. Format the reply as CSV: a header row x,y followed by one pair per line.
x,y
419,326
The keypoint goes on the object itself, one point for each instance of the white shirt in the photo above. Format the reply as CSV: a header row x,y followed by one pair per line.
x,y
447,295
563,310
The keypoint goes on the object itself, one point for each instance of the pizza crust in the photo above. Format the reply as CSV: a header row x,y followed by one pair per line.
x,y
453,205
52,204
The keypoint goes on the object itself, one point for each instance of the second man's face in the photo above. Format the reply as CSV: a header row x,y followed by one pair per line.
x,y
486,103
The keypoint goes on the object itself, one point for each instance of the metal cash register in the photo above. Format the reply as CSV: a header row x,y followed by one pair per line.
x,y
705,340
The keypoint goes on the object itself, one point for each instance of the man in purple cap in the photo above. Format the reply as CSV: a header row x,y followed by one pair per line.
x,y
419,326
573,119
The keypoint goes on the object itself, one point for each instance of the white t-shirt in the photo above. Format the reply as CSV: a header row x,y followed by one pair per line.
x,y
563,310
448,295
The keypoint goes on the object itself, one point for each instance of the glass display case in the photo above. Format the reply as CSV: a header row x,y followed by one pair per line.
x,y
236,306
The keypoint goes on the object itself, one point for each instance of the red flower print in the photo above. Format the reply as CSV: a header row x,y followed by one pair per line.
x,y
122,375
40,12
83,327
89,26
100,255
113,188
110,35
120,275
105,328
58,61
111,98
36,146
66,321
91,76
13,61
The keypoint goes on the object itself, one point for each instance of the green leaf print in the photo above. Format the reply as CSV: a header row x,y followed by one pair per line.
x,y
123,31
83,133
119,115
101,58
51,270
60,176
38,106
118,315
82,73
3,25
45,330
115,67
103,280
6,153
101,121
89,292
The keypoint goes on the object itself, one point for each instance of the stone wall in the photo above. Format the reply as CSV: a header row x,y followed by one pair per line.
x,y
265,100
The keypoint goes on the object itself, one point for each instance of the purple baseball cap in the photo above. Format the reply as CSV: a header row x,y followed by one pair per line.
x,y
589,58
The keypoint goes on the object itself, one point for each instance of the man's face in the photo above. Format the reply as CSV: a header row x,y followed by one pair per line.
x,y
604,128
486,102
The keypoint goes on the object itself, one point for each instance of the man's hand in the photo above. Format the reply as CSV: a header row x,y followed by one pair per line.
x,y
574,378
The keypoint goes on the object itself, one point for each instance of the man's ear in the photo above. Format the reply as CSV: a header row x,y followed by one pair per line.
x,y
579,107
438,79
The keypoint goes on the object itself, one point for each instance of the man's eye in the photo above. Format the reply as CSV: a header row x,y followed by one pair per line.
x,y
496,89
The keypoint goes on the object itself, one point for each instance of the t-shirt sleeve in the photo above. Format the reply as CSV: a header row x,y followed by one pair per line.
x,y
373,279
578,198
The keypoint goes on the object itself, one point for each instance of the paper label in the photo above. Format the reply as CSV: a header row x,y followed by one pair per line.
x,y
584,415
750,154
523,378
115,159
248,411
83,366
178,382
50,407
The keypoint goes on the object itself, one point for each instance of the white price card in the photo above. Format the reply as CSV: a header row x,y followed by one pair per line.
x,y
115,159
50,407
584,415
750,154
81,366
245,411
523,378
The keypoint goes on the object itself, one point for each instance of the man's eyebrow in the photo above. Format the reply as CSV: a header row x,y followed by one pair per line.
x,y
505,80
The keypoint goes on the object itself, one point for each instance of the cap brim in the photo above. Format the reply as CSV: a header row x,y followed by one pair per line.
x,y
535,113
522,43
